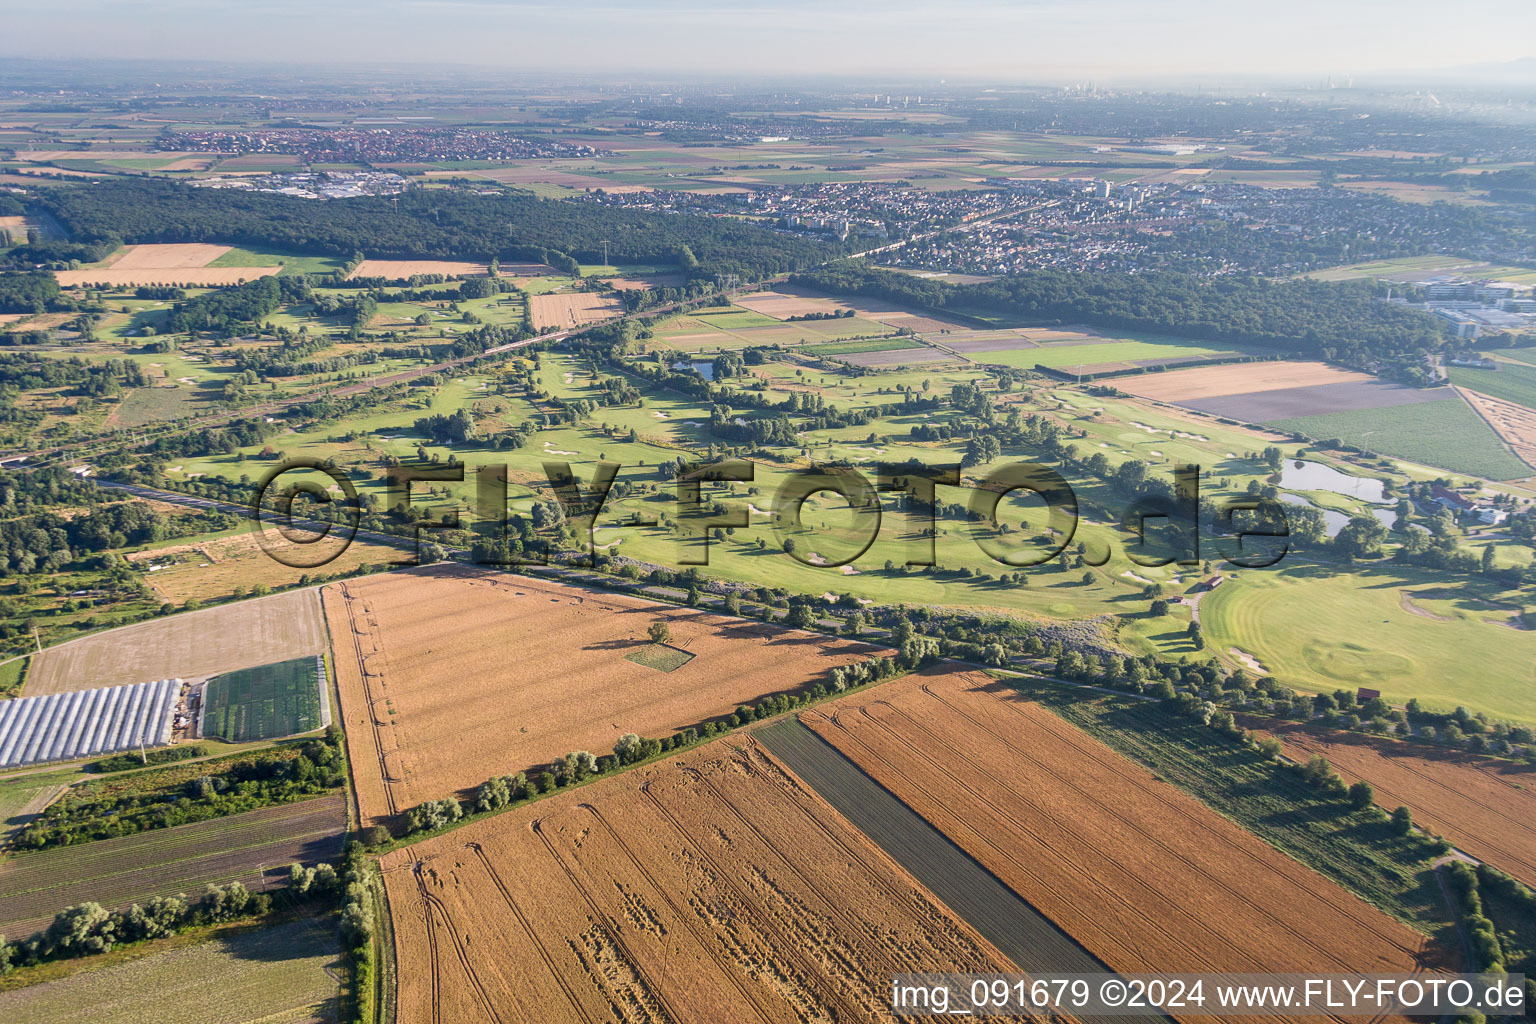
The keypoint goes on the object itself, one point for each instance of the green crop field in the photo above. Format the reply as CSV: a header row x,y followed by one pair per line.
x,y
1519,355
238,257
284,973
1513,382
255,848
150,405
12,673
1061,356
282,699
1447,434
1399,630
661,657
851,348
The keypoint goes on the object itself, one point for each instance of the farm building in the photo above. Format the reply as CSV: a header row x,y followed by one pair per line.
x,y
61,726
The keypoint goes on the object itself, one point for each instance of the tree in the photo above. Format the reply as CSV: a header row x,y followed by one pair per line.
x,y
801,617
627,749
1361,795
918,651
660,632
1402,821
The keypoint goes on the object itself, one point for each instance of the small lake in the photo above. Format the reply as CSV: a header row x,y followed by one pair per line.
x,y
1299,475
704,368
1334,521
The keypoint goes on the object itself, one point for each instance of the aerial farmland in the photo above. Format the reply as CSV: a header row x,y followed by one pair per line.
x,y
586,672
518,516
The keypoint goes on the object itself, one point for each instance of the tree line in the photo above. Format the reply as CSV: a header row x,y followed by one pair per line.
x,y
1338,321
429,224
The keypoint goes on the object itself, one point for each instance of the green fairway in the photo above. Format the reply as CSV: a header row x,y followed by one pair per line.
x,y
282,699
1447,434
1395,629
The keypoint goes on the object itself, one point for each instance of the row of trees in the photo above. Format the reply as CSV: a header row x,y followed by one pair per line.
x,y
179,795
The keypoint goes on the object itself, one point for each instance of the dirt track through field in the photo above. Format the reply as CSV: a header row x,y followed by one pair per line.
x,y
1145,877
712,887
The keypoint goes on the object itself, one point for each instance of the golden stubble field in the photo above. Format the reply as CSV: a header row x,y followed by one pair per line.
x,y
167,264
1145,877
569,309
451,675
712,887
1235,379
401,270
214,568
1515,424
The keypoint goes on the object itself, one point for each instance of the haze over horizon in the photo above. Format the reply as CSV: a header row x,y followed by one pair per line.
x,y
1108,40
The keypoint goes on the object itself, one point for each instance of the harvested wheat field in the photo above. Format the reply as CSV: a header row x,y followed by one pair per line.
x,y
1484,807
781,305
569,309
1235,379
712,887
450,675
1147,878
171,264
193,277
214,569
401,270
1514,423
191,645
174,256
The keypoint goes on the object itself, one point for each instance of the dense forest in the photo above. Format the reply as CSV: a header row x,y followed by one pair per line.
x,y
28,293
428,224
1342,322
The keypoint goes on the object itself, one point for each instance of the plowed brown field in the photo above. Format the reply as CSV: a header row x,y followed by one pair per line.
x,y
1486,809
710,888
1145,877
450,676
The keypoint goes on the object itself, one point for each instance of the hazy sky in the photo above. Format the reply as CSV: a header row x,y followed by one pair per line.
x,y
1025,39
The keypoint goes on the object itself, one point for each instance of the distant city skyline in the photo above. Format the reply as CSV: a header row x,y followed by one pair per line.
x,y
1107,40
